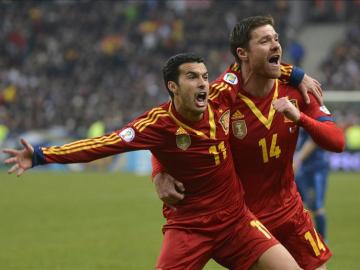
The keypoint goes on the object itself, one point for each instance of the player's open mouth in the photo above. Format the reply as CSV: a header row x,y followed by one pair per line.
x,y
201,99
274,60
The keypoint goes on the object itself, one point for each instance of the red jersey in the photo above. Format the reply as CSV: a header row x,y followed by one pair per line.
x,y
263,143
196,153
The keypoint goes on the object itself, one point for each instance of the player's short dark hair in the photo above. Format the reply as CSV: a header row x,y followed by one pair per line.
x,y
241,33
171,67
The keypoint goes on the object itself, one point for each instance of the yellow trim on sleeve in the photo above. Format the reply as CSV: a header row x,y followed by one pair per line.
x,y
150,119
81,145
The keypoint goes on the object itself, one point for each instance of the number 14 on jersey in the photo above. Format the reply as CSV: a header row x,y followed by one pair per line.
x,y
275,150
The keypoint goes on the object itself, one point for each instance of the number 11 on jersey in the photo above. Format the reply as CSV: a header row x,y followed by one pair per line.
x,y
217,151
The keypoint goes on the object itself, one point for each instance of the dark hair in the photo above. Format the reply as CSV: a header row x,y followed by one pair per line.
x,y
171,67
240,35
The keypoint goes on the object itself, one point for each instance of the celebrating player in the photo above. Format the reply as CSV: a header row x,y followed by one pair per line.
x,y
264,126
189,135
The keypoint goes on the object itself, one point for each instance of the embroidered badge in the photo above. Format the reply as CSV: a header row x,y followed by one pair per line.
x,y
239,129
224,121
183,140
295,103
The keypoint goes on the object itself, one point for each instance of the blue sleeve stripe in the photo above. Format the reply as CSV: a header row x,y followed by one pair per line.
x,y
296,76
325,118
38,157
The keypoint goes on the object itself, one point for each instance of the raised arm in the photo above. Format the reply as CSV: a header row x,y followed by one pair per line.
x,y
322,130
325,134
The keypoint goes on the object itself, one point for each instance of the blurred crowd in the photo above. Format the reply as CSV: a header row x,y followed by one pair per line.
x,y
341,68
71,63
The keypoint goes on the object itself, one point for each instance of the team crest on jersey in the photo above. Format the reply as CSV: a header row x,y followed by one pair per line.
x,y
239,129
128,134
183,140
224,121
295,103
230,78
324,109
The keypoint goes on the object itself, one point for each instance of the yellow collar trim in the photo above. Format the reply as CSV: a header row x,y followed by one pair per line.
x,y
266,121
197,132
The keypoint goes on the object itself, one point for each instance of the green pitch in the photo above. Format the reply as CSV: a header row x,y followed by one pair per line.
x,y
91,221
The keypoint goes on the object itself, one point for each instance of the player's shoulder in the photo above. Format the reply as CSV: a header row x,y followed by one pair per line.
x,y
286,90
229,80
230,76
156,117
285,87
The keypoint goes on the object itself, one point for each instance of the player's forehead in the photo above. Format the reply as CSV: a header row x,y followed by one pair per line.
x,y
193,67
263,31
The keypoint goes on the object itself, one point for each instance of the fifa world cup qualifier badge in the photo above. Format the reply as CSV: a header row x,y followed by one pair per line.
x,y
230,78
127,134
183,140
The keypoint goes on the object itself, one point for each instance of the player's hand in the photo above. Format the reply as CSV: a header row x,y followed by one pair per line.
x,y
21,159
284,106
309,84
169,190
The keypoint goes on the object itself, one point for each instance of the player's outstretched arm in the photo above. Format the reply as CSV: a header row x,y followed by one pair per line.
x,y
20,159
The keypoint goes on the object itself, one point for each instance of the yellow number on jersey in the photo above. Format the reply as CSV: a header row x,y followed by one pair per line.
x,y
216,150
318,245
275,150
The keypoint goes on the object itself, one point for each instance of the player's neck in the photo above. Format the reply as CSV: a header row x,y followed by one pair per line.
x,y
256,84
186,113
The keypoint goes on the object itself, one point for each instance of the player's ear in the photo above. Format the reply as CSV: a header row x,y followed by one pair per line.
x,y
242,54
172,86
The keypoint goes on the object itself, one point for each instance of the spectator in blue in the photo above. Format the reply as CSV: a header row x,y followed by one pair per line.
x,y
311,167
296,51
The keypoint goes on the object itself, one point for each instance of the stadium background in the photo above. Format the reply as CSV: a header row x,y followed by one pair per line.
x,y
73,69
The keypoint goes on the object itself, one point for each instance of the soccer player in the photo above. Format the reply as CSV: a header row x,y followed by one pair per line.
x,y
189,135
311,167
264,124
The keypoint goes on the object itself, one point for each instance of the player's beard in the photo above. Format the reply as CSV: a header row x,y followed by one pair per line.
x,y
262,72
